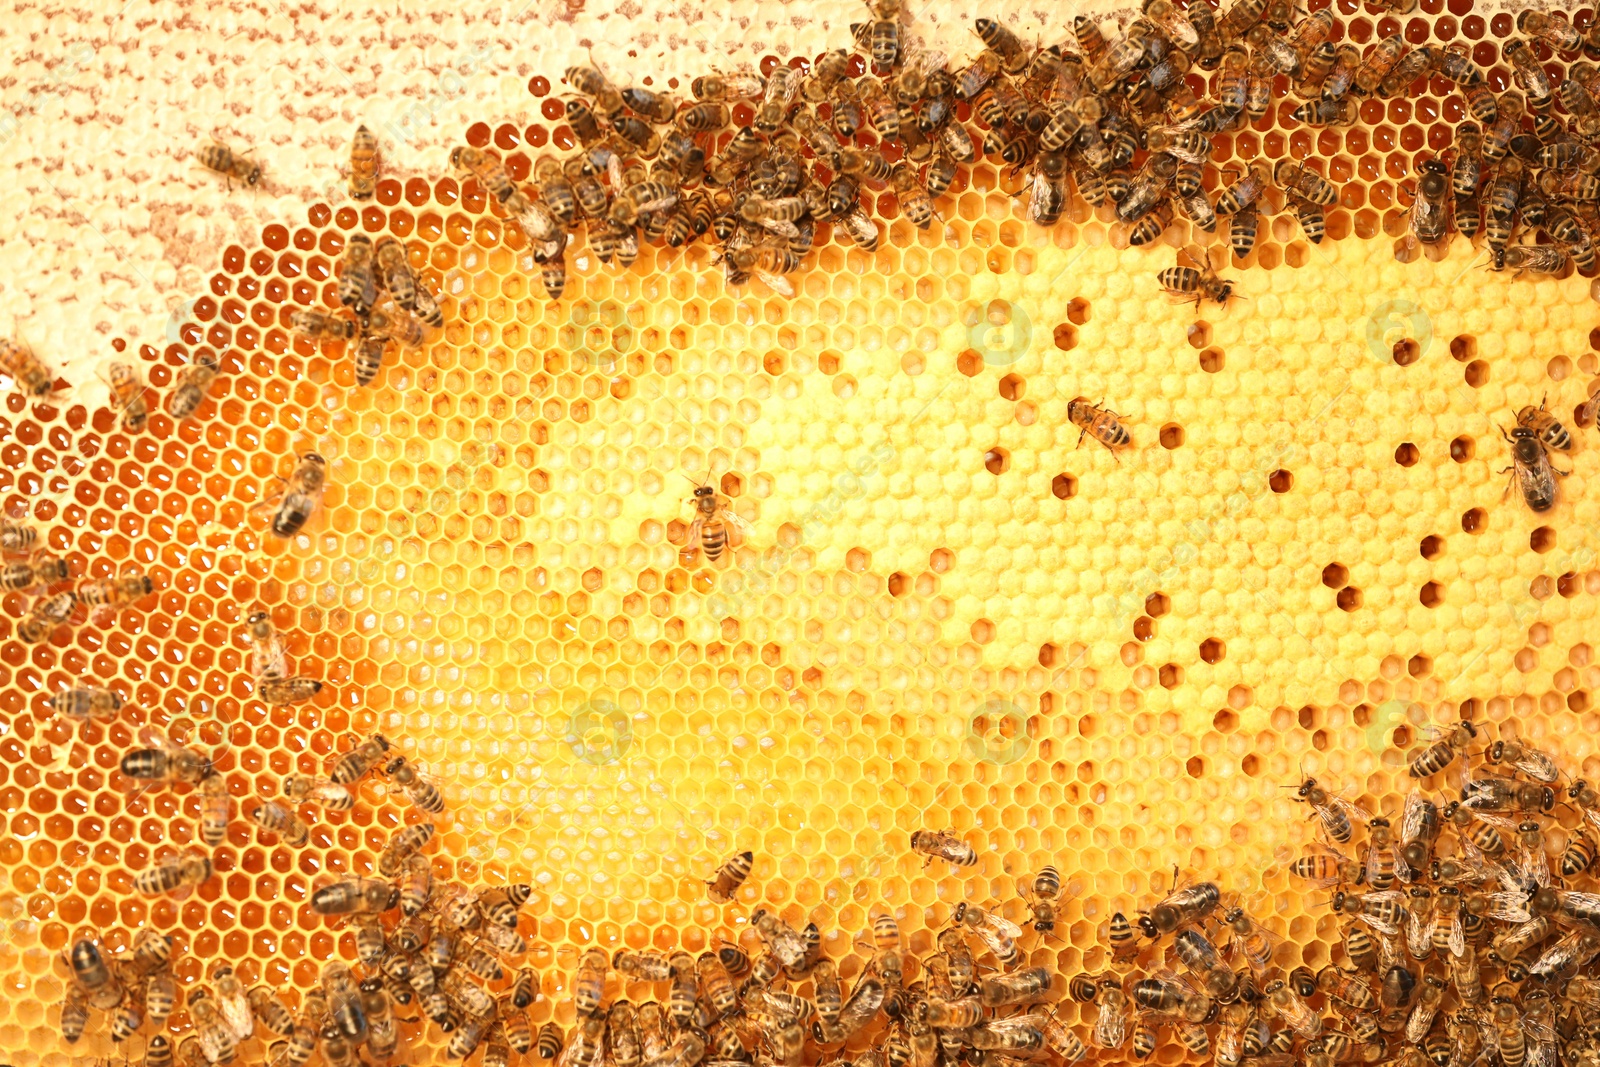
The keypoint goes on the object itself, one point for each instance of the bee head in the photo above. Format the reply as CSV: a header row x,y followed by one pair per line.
x,y
701,492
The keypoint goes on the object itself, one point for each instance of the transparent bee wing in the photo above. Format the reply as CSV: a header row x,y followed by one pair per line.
x,y
776,282
1538,766
692,539
737,522
1510,906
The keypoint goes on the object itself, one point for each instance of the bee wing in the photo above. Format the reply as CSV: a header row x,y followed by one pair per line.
x,y
692,539
1004,926
736,523
1353,811
1538,766
155,737
781,228
1509,906
1197,258
776,282
1414,816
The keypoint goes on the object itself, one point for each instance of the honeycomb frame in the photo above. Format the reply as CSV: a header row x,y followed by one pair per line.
x,y
720,688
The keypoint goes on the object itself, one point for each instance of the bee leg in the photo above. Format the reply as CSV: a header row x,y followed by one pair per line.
x,y
1080,439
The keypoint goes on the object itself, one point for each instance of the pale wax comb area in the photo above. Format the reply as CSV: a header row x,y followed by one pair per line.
x,y
946,616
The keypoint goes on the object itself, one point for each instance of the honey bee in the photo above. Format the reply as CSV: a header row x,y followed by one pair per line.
x,y
860,228
1292,1009
47,614
1529,73
193,381
161,762
15,538
115,593
716,525
215,809
914,199
783,84
549,1043
1245,191
363,164
42,570
423,793
1324,866
403,284
320,325
1506,794
1443,752
402,846
230,164
74,1014
1101,423
1296,179
1050,193
1382,910
92,974
491,174
358,278
588,987
1170,995
1124,939
321,791
1334,812
127,396
355,896
1429,219
729,877
1552,434
943,845
1197,280
1534,474
1041,897
277,819
301,493
1419,828
178,877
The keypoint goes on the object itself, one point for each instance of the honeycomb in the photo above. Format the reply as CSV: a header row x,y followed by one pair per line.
x,y
948,616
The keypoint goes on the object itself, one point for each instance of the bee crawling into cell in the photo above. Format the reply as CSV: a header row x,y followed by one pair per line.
x,y
716,526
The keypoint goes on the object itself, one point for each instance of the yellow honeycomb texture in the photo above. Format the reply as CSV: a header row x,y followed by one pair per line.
x,y
948,615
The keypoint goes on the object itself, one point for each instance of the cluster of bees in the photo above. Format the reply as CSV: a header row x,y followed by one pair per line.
x,y
1464,939
419,940
32,568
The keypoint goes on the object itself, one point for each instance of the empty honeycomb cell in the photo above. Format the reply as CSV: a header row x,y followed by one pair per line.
x,y
1542,539
1474,521
1335,576
1462,448
1432,547
1064,486
1406,454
